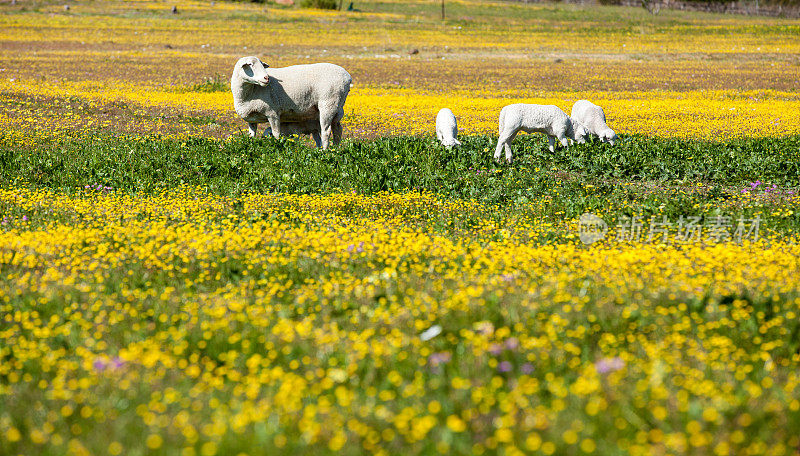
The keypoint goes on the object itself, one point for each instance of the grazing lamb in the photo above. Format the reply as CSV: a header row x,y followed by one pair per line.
x,y
294,94
446,128
532,118
593,119
307,127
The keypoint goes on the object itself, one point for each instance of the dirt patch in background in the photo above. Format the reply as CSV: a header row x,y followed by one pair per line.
x,y
423,71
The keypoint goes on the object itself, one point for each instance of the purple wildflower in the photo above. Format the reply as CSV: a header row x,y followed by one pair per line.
x,y
504,366
607,365
99,365
439,358
352,248
24,218
512,343
527,368
495,349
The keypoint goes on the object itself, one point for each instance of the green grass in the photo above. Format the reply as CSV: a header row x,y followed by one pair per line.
x,y
397,163
639,176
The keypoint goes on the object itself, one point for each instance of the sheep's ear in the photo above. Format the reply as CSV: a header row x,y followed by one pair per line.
x,y
265,65
245,64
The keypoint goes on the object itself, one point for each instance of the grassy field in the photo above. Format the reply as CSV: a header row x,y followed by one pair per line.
x,y
170,286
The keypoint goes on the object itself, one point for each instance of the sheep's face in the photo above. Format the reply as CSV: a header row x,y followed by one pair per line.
x,y
609,136
253,70
580,133
450,142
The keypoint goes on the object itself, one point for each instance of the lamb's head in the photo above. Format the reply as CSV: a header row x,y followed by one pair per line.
x,y
579,132
451,142
608,136
251,70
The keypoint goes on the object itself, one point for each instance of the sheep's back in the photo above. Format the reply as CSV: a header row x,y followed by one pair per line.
x,y
320,81
446,121
542,116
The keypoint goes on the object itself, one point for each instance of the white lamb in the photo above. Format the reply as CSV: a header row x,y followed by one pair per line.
x,y
307,127
294,94
532,118
593,119
446,128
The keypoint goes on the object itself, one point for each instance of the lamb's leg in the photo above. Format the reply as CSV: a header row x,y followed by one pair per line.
x,y
252,127
275,126
315,137
504,141
499,149
508,145
508,151
564,141
552,142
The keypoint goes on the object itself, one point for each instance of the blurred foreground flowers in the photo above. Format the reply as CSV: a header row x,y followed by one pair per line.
x,y
188,322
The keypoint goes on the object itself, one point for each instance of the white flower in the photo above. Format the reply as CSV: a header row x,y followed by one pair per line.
x,y
430,333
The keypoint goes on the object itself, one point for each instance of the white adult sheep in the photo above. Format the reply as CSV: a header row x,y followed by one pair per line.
x,y
306,127
293,94
446,128
533,118
592,117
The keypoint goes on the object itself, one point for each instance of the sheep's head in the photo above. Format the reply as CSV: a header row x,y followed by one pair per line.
x,y
451,142
609,136
579,132
252,70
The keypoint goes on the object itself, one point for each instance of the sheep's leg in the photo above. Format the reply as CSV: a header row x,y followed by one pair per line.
x,y
315,137
336,129
252,127
552,142
326,117
564,141
508,152
499,149
504,141
275,126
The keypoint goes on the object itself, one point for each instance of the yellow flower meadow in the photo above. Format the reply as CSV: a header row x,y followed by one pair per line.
x,y
184,322
218,325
